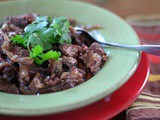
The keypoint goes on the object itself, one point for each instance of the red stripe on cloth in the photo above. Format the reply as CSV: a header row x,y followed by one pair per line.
x,y
152,37
153,58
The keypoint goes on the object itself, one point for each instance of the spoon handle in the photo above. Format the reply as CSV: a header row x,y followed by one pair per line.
x,y
150,49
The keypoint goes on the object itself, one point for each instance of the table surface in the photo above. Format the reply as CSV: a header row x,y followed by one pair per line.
x,y
125,8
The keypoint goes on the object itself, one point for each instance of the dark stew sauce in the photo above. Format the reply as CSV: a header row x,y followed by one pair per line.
x,y
19,74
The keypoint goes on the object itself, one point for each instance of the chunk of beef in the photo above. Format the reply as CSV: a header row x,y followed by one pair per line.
x,y
7,71
9,27
55,66
84,48
15,58
22,60
65,75
20,54
40,85
82,65
24,88
94,57
8,87
23,73
92,60
36,83
3,64
50,84
30,78
77,73
18,50
67,80
5,43
96,48
1,40
51,80
34,69
69,50
33,87
22,20
6,47
69,61
72,78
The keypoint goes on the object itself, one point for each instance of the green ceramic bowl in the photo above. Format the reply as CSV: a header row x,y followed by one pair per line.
x,y
120,65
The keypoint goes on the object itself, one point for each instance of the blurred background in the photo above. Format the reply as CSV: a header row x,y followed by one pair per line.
x,y
125,8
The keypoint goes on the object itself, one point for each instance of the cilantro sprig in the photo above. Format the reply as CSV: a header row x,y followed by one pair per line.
x,y
40,35
19,40
39,57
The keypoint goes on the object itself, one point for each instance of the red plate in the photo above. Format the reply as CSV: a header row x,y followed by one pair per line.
x,y
107,107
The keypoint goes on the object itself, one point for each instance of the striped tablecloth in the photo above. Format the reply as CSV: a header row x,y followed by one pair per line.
x,y
147,106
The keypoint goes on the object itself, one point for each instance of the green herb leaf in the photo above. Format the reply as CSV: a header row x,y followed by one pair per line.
x,y
18,39
41,25
40,35
51,55
49,32
34,40
65,39
37,50
40,57
42,18
30,28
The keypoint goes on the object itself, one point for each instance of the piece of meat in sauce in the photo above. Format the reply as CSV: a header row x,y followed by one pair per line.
x,y
69,79
96,48
72,78
8,87
7,70
22,20
94,57
69,61
1,40
8,74
55,66
9,27
20,55
19,50
31,79
69,50
36,84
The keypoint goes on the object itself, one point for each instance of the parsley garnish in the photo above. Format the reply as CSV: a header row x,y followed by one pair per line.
x,y
40,35
39,57
18,39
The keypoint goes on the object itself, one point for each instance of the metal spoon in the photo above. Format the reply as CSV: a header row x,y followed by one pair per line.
x,y
97,37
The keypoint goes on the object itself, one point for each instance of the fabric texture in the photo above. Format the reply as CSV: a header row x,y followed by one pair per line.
x,y
147,105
